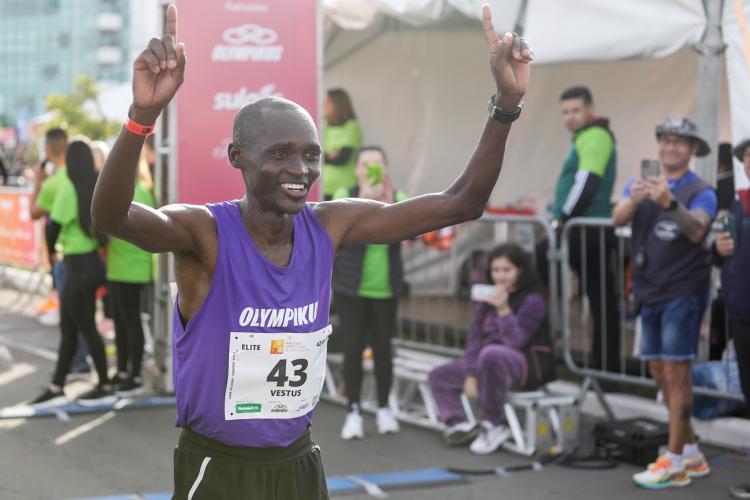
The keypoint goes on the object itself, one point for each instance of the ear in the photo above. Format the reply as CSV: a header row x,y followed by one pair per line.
x,y
234,153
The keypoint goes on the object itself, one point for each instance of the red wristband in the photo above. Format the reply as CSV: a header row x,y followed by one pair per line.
x,y
138,129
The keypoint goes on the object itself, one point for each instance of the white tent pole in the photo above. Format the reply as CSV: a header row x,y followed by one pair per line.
x,y
709,87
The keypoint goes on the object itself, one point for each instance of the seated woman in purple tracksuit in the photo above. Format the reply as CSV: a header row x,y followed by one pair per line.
x,y
508,347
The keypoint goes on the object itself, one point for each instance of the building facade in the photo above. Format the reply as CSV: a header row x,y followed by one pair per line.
x,y
46,44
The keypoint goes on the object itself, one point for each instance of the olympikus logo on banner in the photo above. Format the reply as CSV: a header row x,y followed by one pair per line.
x,y
248,42
241,98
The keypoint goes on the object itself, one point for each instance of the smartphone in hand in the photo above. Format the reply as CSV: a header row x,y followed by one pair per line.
x,y
650,168
728,224
375,173
481,292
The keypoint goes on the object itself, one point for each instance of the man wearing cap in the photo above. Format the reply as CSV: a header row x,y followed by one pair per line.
x,y
732,254
671,214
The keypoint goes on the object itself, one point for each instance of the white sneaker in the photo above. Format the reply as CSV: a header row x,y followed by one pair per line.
x,y
490,438
386,422
461,434
353,426
51,318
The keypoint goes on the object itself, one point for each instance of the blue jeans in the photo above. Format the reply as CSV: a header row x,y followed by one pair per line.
x,y
670,329
80,365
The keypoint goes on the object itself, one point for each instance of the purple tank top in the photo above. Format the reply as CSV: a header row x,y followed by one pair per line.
x,y
244,279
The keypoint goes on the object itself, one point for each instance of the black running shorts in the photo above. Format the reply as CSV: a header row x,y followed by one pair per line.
x,y
206,469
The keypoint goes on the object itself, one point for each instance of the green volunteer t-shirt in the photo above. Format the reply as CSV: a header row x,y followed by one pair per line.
x,y
347,135
593,151
375,282
65,212
126,263
48,191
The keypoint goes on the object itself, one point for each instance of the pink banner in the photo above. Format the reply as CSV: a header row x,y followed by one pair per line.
x,y
237,51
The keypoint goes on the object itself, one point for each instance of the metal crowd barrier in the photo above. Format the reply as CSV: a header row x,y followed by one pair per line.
x,y
593,244
437,312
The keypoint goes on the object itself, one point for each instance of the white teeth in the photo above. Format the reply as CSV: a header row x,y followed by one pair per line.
x,y
294,187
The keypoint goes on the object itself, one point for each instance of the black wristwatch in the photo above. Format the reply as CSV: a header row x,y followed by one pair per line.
x,y
673,205
501,115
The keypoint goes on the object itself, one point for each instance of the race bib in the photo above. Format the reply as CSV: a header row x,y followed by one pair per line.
x,y
275,375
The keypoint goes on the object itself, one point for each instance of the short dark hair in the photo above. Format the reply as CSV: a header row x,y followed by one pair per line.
x,y
527,279
372,147
57,139
578,92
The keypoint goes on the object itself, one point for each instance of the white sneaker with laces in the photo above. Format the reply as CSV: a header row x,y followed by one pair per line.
x,y
490,438
386,422
353,426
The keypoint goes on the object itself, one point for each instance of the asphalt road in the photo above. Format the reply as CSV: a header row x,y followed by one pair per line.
x,y
130,452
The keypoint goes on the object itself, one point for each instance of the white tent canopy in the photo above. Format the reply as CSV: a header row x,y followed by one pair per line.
x,y
418,74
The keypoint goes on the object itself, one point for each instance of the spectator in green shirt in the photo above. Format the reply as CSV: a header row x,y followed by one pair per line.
x,y
129,270
584,189
71,226
367,281
45,190
342,138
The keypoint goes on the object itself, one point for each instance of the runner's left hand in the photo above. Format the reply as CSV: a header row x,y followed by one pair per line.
x,y
509,62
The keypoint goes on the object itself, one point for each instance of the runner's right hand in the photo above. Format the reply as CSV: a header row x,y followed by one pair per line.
x,y
158,72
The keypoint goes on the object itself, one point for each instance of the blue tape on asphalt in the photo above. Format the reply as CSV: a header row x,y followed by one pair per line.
x,y
418,477
76,409
340,484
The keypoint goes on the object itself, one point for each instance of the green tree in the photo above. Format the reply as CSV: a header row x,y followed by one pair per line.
x,y
79,113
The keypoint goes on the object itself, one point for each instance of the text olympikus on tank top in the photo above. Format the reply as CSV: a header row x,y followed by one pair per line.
x,y
279,318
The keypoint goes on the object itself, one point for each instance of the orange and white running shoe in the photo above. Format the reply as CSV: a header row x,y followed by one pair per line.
x,y
50,304
662,474
696,465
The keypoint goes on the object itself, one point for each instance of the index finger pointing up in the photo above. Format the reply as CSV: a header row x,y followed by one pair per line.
x,y
489,30
170,28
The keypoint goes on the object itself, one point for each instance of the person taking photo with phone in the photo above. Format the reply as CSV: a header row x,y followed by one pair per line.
x,y
670,215
367,282
508,347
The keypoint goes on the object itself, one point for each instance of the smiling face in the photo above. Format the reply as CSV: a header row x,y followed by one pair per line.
x,y
280,160
675,152
504,272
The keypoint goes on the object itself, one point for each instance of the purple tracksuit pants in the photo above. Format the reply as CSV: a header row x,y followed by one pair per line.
x,y
501,368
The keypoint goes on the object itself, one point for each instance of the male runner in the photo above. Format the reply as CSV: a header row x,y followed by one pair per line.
x,y
253,275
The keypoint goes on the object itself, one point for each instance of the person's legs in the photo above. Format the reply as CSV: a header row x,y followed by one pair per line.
x,y
121,330
354,327
84,317
128,306
677,376
68,336
447,384
84,278
500,368
740,331
681,323
80,363
382,319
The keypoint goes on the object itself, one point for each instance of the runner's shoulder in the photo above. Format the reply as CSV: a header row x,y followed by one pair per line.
x,y
196,219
